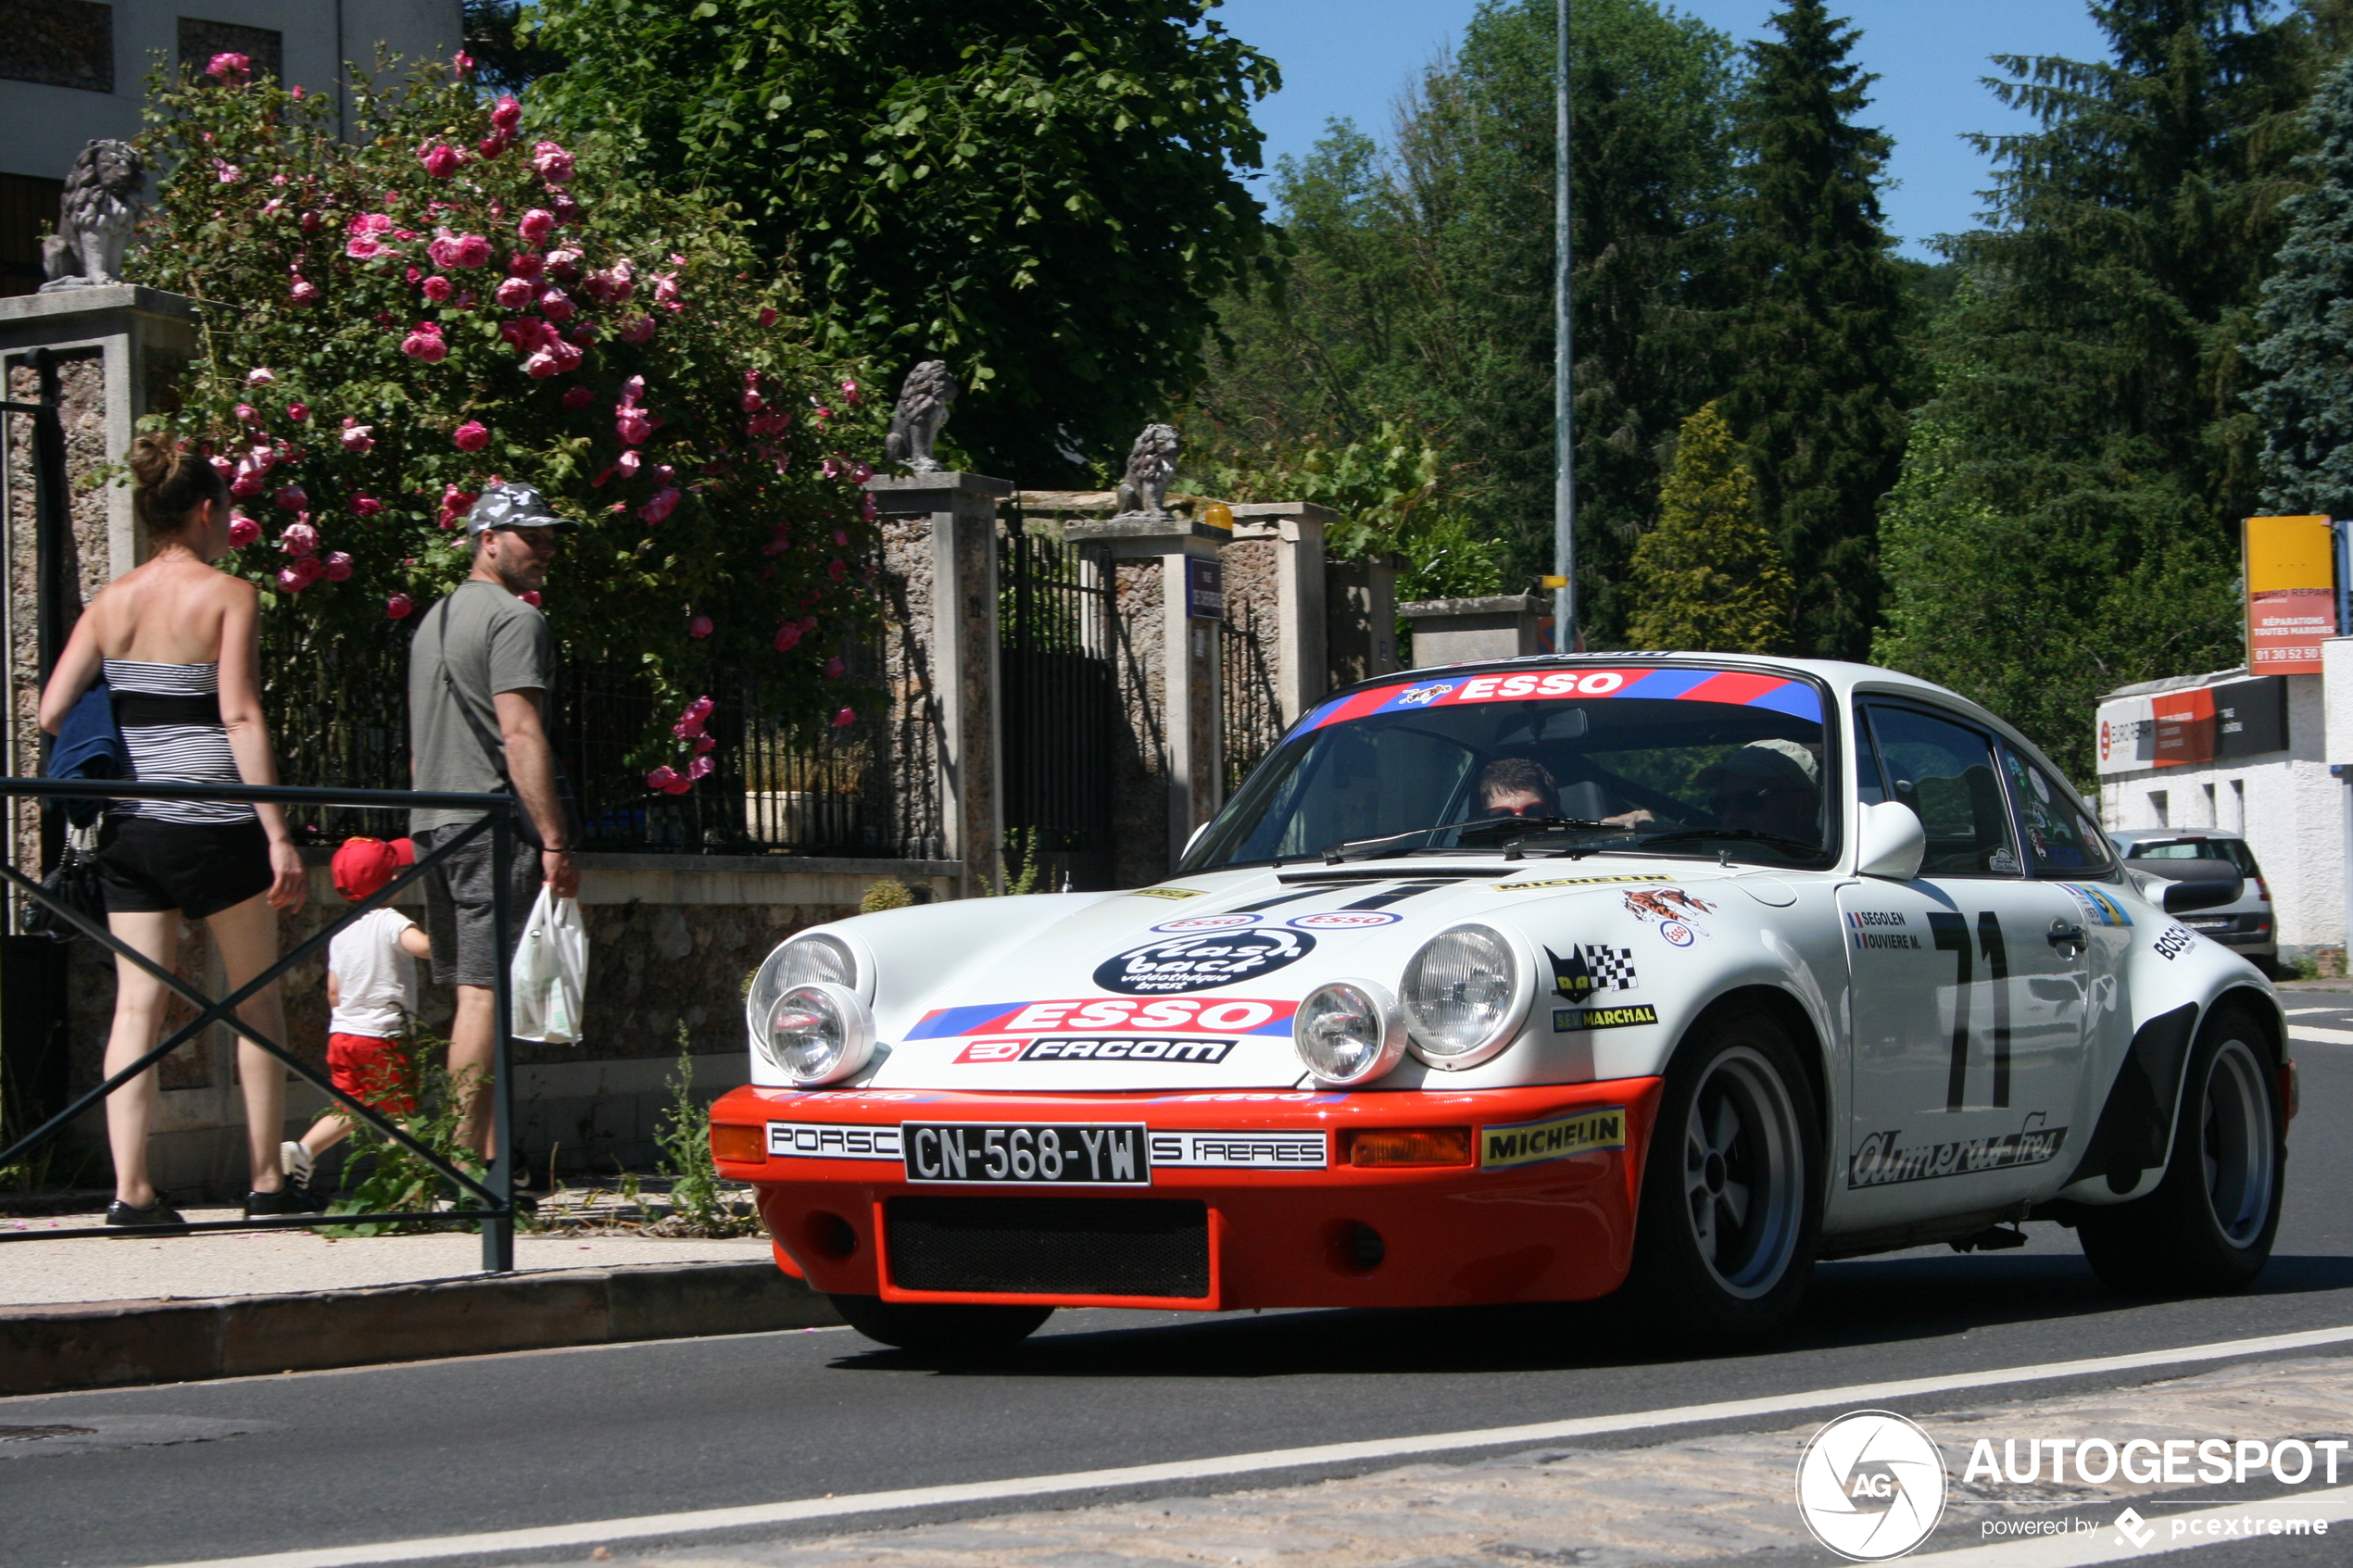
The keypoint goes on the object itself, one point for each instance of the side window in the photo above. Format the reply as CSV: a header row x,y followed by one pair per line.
x,y
1869,787
1944,771
2059,842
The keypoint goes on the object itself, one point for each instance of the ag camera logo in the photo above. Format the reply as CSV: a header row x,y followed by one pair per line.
x,y
1871,1485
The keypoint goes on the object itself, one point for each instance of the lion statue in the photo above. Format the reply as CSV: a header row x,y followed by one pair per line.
x,y
1151,463
924,400
94,219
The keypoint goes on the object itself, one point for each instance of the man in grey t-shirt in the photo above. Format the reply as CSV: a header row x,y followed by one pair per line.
x,y
478,675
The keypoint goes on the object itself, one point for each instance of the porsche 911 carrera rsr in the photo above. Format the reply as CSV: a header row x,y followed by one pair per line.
x,y
1533,981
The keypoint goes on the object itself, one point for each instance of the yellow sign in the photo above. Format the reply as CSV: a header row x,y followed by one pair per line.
x,y
1557,1137
2291,593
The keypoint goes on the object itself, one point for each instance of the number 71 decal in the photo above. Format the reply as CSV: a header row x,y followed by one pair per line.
x,y
1950,933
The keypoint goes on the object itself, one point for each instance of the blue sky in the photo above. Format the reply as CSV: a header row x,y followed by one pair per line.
x,y
1351,57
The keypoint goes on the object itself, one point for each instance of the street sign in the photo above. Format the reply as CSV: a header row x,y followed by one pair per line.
x,y
2291,593
1204,590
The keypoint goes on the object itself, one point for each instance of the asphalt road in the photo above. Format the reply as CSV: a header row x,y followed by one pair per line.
x,y
371,1455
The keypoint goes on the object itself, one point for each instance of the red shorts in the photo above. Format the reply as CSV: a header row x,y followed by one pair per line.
x,y
370,1071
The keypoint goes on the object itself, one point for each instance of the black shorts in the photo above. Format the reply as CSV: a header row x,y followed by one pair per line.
x,y
198,869
459,907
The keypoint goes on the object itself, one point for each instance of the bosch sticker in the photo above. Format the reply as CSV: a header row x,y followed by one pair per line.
x,y
1203,962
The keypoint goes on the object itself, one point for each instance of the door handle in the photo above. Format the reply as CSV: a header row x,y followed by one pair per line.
x,y
2063,935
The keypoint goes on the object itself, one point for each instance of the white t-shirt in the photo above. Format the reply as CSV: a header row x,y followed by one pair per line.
x,y
375,979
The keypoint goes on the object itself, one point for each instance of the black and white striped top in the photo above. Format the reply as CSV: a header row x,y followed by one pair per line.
x,y
170,719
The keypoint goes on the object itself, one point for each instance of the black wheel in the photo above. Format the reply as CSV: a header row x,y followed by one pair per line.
x,y
2207,1228
925,1326
1731,1191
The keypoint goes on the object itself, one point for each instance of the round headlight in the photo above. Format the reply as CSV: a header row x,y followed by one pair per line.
x,y
804,961
1348,1031
1463,995
818,1034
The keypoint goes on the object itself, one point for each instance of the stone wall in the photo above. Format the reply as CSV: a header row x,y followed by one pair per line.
x,y
1140,806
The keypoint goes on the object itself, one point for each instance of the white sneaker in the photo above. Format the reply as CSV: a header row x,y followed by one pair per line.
x,y
296,1161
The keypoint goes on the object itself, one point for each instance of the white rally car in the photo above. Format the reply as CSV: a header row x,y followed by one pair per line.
x,y
1533,981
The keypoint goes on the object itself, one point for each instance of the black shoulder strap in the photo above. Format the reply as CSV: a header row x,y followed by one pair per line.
x,y
493,745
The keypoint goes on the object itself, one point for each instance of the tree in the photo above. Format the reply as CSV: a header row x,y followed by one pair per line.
x,y
1815,359
2306,405
2086,445
1709,577
1047,193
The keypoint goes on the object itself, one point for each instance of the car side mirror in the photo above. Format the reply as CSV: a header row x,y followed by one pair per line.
x,y
1892,842
2195,884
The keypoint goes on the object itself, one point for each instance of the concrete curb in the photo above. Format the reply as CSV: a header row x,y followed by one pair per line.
x,y
111,1344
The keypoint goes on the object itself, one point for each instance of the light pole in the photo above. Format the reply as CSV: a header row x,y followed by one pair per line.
x,y
1564,360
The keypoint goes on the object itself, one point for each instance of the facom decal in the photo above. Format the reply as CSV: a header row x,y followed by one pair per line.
x,y
1880,1162
1206,923
1179,964
1871,929
2174,943
1102,1015
1555,1138
2098,908
1569,1020
1574,882
1167,893
1241,1152
1590,967
809,1140
1207,1053
1338,919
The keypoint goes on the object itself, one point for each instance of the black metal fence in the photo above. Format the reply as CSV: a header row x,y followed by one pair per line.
x,y
1057,632
1252,712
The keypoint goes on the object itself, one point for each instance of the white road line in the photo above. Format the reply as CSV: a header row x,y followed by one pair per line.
x,y
606,1532
2313,1034
2106,1545
2307,1012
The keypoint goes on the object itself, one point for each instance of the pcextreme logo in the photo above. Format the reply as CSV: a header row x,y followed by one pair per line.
x,y
1871,1485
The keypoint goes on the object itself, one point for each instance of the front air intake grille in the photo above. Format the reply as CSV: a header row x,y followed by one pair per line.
x,y
1050,1246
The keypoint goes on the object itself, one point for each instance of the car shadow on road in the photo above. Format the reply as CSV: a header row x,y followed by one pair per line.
x,y
1852,1304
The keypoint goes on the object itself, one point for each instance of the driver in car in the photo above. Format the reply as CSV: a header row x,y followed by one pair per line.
x,y
1767,786
1520,786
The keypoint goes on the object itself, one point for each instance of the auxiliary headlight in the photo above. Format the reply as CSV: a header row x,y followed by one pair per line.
x,y
1349,1032
804,961
1464,995
818,1034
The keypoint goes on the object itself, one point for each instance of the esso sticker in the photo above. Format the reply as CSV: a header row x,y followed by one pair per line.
x,y
1675,931
1122,1015
1207,922
1338,920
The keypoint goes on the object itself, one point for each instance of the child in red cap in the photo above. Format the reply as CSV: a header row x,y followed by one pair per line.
x,y
371,985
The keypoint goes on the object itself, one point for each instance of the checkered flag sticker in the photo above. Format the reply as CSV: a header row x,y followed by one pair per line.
x,y
1589,966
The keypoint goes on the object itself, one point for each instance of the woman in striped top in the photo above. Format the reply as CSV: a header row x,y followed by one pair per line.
x,y
176,642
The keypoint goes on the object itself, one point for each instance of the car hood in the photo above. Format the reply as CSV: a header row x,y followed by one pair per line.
x,y
1188,986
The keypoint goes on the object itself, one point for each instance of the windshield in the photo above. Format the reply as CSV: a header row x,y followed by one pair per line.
x,y
1674,760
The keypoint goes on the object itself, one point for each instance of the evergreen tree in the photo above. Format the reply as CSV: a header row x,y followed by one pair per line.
x,y
2306,407
1816,358
2087,450
1709,576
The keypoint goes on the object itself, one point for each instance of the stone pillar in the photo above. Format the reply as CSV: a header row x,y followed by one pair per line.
x,y
1460,631
1153,559
1289,534
940,540
1360,618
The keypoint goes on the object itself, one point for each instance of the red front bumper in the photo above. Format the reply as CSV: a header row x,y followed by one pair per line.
x,y
1525,1221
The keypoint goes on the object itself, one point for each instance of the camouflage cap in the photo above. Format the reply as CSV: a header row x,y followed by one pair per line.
x,y
513,505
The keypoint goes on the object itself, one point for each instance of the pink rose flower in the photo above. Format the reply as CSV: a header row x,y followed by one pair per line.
x,y
259,376
441,159
298,411
246,413
565,208
437,288
849,392
753,403
846,716
628,463
530,596
370,223
505,115
230,69
553,163
564,264
357,437
837,570
491,146
633,427
243,530
666,289
513,293
299,539
706,743
665,501
455,503
557,306
221,465
338,568
292,497
661,777
470,436
230,173
366,505
459,251
364,247
698,627
311,223
578,397
699,767
526,264
638,329
767,316
535,225
399,607
585,333
787,636
461,64
860,473
245,485
833,668
303,293
423,341
293,582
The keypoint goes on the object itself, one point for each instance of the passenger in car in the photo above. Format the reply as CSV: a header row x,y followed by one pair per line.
x,y
1767,786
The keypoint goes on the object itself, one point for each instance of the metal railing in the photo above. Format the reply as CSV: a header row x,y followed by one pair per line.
x,y
496,1205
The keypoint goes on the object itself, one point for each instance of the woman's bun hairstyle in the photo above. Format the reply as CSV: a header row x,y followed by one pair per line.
x,y
169,479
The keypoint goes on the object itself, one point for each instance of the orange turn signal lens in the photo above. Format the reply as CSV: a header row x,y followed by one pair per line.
x,y
745,1146
1407,1146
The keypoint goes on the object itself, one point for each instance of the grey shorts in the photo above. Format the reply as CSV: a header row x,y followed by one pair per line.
x,y
458,907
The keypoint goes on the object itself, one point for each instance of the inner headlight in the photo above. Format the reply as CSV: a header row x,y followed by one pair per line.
x,y
804,961
1348,1031
818,1034
1464,995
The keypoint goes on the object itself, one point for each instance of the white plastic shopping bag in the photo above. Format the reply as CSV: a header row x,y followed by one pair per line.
x,y
550,972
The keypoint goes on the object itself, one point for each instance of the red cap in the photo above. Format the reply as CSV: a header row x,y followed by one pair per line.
x,y
363,865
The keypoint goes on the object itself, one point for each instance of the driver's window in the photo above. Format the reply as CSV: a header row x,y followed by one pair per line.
x,y
1371,780
2060,841
1868,785
1944,771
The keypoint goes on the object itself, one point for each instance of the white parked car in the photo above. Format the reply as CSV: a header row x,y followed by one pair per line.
x,y
2247,924
1526,982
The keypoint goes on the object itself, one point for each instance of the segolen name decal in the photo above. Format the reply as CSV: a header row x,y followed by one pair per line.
x,y
1879,1163
1556,1137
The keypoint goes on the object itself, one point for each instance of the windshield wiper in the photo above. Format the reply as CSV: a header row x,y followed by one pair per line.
x,y
1746,835
1474,829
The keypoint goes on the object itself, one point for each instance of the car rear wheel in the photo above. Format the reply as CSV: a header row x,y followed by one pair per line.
x,y
937,1327
2207,1228
1731,1189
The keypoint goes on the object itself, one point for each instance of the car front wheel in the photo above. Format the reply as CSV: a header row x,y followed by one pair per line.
x,y
1732,1190
936,1327
2207,1228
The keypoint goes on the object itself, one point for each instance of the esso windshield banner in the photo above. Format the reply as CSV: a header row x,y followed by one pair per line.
x,y
1740,688
1127,1015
